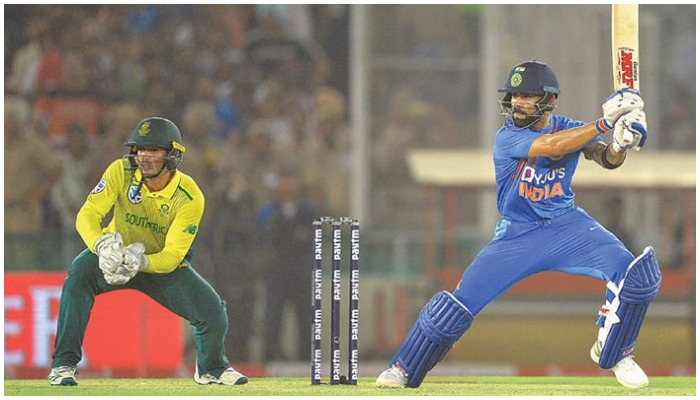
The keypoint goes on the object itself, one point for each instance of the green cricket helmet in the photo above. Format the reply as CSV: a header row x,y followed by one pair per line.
x,y
160,133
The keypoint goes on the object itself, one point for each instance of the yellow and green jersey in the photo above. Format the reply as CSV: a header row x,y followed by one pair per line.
x,y
166,222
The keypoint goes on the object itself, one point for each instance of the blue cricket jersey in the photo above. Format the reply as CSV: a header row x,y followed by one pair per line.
x,y
536,203
532,189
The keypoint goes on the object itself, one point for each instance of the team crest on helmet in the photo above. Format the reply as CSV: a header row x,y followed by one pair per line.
x,y
516,79
145,129
101,185
134,194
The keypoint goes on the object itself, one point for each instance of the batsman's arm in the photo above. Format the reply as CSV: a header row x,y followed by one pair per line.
x,y
563,142
604,155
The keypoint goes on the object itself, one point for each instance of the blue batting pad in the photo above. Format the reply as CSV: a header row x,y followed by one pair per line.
x,y
440,324
641,286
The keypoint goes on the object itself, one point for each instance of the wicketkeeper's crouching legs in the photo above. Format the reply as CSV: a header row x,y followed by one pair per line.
x,y
443,320
625,308
182,291
83,283
190,296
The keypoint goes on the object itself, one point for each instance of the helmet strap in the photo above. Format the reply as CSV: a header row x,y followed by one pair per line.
x,y
133,164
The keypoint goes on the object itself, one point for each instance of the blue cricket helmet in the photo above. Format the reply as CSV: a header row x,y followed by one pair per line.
x,y
535,78
532,77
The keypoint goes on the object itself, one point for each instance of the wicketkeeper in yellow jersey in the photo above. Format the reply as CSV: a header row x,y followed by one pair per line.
x,y
146,246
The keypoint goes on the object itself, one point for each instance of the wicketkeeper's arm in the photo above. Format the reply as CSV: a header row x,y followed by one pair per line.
x,y
179,238
99,202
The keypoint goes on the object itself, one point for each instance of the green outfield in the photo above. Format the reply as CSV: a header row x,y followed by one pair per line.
x,y
433,386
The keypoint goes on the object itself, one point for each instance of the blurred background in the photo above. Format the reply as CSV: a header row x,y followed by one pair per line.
x,y
308,110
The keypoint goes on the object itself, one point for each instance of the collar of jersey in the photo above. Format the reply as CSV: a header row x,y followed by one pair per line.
x,y
168,191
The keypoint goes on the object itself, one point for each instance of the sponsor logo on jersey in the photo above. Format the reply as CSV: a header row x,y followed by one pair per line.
x,y
537,187
191,229
143,222
101,185
134,194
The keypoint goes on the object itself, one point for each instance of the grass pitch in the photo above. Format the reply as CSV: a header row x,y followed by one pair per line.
x,y
433,386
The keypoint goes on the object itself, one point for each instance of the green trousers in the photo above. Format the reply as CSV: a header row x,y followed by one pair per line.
x,y
182,291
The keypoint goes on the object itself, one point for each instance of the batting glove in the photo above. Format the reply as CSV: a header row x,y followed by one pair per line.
x,y
109,250
630,131
618,104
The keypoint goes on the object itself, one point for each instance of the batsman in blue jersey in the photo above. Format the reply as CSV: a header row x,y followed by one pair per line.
x,y
535,155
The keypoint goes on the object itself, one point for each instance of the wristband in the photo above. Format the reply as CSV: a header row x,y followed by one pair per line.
x,y
602,126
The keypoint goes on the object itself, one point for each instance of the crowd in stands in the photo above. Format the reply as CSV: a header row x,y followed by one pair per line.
x,y
258,92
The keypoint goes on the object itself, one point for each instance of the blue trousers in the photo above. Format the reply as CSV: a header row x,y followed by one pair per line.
x,y
573,243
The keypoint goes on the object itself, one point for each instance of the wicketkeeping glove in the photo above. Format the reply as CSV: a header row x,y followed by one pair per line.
x,y
630,131
135,259
118,277
618,104
109,249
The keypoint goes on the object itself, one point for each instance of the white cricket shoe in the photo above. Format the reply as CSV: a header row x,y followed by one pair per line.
x,y
229,377
392,378
627,371
63,376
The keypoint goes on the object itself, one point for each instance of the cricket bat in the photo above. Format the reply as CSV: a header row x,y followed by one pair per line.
x,y
625,48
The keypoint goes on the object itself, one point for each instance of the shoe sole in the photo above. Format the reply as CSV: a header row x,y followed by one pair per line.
x,y
241,381
391,385
628,386
65,382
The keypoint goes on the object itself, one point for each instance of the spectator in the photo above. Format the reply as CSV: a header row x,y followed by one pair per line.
x,y
291,151
234,241
25,63
68,194
327,161
200,163
278,105
297,62
31,170
286,233
255,168
117,124
410,124
198,121
50,69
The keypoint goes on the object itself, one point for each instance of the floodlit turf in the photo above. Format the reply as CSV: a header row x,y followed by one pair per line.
x,y
433,386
